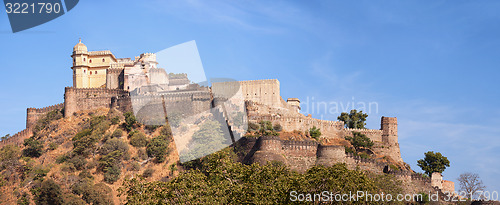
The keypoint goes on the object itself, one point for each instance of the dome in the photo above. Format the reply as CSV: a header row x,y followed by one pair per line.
x,y
80,47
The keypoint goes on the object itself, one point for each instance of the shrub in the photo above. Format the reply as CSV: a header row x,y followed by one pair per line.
x,y
50,193
45,120
84,142
98,194
359,140
71,199
158,148
85,174
148,173
315,133
253,127
165,130
114,145
135,166
277,127
78,162
9,156
115,120
364,155
53,146
62,158
33,147
117,133
394,167
130,120
142,154
348,150
138,139
99,124
112,174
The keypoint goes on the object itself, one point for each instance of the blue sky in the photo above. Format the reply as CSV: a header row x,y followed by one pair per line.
x,y
432,64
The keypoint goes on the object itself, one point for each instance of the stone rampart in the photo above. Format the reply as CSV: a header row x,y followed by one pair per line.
x,y
78,99
328,128
374,135
18,138
34,114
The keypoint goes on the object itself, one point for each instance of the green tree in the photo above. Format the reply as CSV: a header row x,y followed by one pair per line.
x,y
353,119
84,142
32,147
433,162
359,140
9,157
138,139
315,133
98,194
157,148
50,193
130,120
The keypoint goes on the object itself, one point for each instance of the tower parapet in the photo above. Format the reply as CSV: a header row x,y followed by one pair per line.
x,y
389,127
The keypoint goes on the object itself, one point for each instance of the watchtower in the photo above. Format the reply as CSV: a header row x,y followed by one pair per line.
x,y
389,126
80,65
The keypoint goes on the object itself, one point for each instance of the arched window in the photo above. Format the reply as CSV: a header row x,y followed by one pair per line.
x,y
103,60
90,61
83,59
95,72
84,71
90,72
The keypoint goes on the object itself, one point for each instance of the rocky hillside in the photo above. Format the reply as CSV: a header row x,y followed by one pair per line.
x,y
85,157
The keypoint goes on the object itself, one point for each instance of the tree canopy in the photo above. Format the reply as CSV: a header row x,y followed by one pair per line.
x,y
353,119
433,162
359,140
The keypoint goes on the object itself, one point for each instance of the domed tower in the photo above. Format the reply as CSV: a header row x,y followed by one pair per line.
x,y
80,66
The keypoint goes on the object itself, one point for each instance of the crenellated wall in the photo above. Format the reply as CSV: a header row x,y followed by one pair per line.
x,y
302,155
77,99
330,129
34,114
18,138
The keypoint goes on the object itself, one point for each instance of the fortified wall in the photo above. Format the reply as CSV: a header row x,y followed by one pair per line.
x,y
34,114
302,155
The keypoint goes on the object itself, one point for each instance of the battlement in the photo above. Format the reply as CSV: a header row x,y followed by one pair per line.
x,y
368,131
115,70
46,109
96,91
391,120
18,138
259,81
293,144
100,53
34,114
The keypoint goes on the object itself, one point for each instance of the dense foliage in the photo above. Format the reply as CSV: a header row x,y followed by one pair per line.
x,y
218,179
157,148
314,132
359,140
353,119
433,162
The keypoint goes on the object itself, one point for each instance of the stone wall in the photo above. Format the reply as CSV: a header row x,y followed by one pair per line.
x,y
302,155
34,114
266,92
78,99
329,129
18,138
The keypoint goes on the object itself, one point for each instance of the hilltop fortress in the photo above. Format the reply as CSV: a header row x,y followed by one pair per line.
x,y
102,80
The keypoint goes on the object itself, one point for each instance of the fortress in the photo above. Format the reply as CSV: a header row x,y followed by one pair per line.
x,y
102,80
